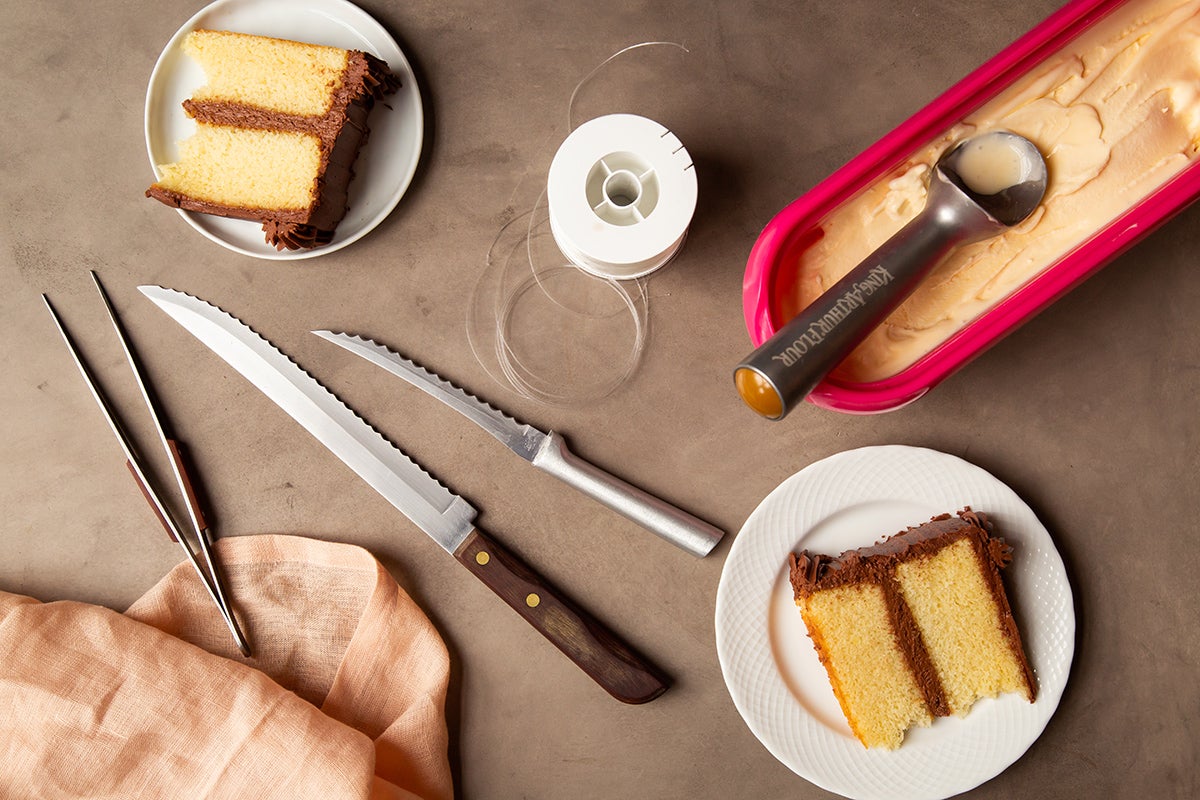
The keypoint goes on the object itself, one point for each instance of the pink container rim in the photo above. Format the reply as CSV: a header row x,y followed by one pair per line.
x,y
776,245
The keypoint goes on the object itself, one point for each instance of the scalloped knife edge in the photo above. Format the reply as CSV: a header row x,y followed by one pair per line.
x,y
545,450
447,518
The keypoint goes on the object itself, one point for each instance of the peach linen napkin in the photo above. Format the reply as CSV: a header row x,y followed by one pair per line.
x,y
343,698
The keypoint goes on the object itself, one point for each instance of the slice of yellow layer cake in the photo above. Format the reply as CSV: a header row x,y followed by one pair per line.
x,y
279,126
915,627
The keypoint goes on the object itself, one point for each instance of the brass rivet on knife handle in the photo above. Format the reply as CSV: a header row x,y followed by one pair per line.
x,y
608,660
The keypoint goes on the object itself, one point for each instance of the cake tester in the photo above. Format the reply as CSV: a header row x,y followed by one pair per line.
x,y
186,487
212,583
977,189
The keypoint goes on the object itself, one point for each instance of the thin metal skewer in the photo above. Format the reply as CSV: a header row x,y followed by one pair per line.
x,y
171,445
135,465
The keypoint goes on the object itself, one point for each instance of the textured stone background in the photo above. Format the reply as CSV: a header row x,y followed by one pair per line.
x,y
1089,411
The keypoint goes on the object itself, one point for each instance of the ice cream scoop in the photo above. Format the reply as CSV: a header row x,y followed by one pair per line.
x,y
977,189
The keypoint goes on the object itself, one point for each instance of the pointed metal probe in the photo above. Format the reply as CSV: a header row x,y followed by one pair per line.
x,y
151,492
174,452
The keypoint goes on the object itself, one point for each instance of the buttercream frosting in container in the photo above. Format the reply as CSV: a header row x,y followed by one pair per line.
x,y
1110,94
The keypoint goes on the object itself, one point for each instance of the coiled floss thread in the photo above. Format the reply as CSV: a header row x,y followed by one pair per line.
x,y
618,200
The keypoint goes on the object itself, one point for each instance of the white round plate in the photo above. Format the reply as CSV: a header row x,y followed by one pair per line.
x,y
777,683
387,162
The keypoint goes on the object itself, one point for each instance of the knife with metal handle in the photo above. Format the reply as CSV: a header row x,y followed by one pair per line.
x,y
546,450
447,518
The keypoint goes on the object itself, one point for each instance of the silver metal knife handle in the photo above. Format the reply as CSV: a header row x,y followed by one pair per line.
x,y
675,525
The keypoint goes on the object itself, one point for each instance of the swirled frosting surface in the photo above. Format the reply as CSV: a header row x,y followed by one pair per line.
x,y
1116,113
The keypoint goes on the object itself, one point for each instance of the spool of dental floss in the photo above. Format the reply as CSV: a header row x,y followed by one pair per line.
x,y
616,205
621,193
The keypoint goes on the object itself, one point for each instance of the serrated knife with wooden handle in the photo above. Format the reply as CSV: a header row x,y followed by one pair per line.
x,y
447,518
545,450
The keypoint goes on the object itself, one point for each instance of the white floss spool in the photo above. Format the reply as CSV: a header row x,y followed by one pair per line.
x,y
564,285
621,194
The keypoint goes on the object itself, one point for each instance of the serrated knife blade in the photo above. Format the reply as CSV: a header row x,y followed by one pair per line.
x,y
447,518
433,508
547,451
523,439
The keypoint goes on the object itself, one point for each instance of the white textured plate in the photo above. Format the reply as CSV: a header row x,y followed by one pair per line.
x,y
780,688
387,162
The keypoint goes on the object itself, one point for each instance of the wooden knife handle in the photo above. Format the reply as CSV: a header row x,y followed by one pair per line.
x,y
598,651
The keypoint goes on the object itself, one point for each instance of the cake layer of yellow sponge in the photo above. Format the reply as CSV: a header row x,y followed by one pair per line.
x,y
275,74
854,638
959,621
246,168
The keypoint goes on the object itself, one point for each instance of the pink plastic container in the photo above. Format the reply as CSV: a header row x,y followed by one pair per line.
x,y
771,269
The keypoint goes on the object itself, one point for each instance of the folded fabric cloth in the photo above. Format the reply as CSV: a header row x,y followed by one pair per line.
x,y
344,696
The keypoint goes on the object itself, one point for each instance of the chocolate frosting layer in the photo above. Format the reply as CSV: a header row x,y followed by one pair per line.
x,y
342,132
812,572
